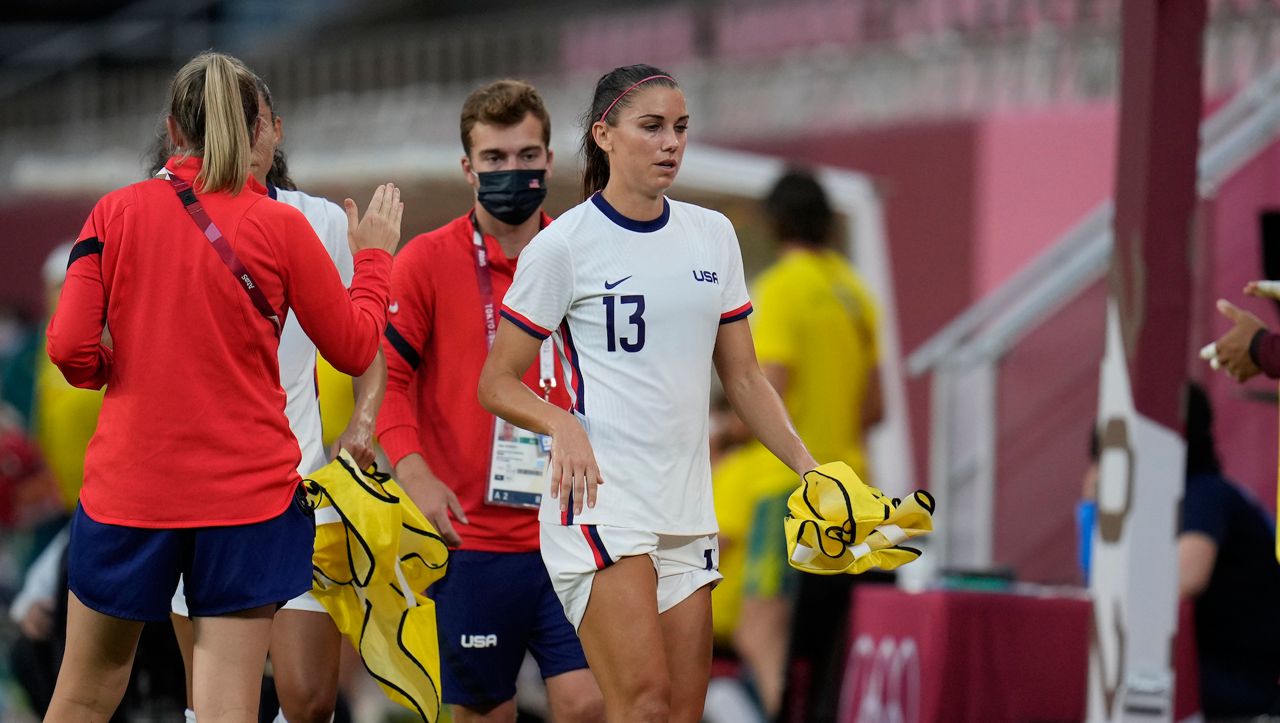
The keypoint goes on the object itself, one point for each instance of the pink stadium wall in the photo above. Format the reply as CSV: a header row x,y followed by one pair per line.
x,y
32,227
1038,174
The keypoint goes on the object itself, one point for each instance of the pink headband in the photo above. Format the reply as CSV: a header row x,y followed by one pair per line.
x,y
605,114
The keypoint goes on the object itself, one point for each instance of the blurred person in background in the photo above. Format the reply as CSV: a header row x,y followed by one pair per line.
x,y
815,332
1228,569
447,287
65,416
192,470
40,612
32,529
63,421
19,338
305,643
1087,510
647,295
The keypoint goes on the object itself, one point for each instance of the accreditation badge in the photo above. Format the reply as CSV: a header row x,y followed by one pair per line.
x,y
517,466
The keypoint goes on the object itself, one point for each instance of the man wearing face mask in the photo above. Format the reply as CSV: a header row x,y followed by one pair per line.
x,y
476,478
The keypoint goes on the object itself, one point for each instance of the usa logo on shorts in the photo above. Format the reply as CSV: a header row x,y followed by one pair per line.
x,y
479,641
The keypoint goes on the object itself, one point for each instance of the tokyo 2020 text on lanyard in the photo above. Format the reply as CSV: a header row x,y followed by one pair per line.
x,y
518,460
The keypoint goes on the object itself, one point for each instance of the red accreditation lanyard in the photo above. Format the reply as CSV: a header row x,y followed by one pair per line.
x,y
484,279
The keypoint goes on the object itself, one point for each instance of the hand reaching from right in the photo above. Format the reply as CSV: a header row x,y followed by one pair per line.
x,y
380,227
1231,351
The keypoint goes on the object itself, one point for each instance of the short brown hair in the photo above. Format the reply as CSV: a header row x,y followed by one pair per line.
x,y
503,103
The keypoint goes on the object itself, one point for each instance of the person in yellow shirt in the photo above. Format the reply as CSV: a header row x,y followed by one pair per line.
x,y
64,417
815,332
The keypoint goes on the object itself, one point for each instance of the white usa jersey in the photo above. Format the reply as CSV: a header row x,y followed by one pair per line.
x,y
635,307
297,352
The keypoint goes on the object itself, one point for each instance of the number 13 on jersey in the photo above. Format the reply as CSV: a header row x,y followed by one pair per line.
x,y
629,343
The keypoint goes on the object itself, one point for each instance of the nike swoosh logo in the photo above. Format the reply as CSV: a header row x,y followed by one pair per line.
x,y
614,285
395,307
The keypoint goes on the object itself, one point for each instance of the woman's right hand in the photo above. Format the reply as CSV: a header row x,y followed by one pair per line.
x,y
574,472
432,496
380,227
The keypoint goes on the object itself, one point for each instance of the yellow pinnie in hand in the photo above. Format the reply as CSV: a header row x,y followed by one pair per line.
x,y
838,524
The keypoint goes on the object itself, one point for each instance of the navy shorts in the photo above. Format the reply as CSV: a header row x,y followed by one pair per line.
x,y
490,608
131,572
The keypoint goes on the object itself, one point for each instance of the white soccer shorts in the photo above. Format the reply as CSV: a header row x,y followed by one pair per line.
x,y
574,554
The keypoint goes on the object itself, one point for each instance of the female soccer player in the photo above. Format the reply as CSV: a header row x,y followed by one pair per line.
x,y
305,643
192,469
644,294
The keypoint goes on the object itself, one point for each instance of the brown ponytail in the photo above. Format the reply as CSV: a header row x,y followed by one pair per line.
x,y
595,167
606,103
214,101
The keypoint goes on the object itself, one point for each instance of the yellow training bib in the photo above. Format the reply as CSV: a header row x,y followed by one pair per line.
x,y
375,556
838,524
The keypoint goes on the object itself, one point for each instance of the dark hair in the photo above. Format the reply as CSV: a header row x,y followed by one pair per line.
x,y
159,153
277,175
503,103
265,92
610,98
798,209
1202,449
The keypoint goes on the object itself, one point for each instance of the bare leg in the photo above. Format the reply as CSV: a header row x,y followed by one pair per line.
x,y
230,652
504,712
575,697
183,631
624,642
761,639
96,667
686,633
305,649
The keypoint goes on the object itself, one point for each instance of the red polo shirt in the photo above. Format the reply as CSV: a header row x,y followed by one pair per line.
x,y
435,346
192,431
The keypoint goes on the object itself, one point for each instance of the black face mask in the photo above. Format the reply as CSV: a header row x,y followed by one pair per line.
x,y
512,196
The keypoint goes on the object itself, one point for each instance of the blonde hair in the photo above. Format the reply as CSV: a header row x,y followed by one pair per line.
x,y
214,101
